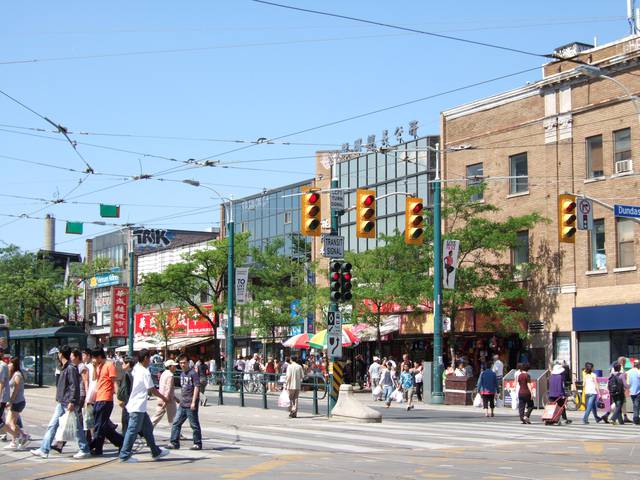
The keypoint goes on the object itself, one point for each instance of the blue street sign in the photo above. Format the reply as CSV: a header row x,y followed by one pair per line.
x,y
627,211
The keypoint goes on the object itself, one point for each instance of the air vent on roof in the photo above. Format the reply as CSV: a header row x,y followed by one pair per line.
x,y
571,49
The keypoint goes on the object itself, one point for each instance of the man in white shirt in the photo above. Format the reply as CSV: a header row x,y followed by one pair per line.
x,y
498,369
293,384
374,376
139,421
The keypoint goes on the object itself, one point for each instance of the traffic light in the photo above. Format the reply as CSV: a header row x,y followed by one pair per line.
x,y
345,282
310,212
334,281
567,218
414,221
366,214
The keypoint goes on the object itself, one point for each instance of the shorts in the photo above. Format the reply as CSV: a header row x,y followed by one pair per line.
x,y
18,407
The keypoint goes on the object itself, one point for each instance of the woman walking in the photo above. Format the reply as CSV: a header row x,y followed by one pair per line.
x,y
16,405
270,370
525,401
387,382
418,376
591,393
487,388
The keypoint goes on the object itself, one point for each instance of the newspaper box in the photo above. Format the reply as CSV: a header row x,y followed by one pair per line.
x,y
539,385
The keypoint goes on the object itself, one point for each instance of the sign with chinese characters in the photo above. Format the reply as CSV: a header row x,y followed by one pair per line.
x,y
119,306
371,145
188,322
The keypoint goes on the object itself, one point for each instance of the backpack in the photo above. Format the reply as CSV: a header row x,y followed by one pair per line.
x,y
124,387
614,385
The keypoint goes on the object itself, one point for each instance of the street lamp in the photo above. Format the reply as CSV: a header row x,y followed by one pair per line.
x,y
229,384
592,71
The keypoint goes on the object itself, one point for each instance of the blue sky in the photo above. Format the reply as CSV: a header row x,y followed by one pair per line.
x,y
244,71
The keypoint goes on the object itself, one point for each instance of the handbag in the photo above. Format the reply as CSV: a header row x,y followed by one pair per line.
x,y
377,391
477,401
66,431
283,399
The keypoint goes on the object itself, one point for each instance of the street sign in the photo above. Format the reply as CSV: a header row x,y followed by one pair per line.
x,y
333,246
450,263
242,277
336,199
626,211
585,213
334,335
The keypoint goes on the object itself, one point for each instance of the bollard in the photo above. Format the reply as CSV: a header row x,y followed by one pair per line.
x,y
220,397
241,388
315,396
264,391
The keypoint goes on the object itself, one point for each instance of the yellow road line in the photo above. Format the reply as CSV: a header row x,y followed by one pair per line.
x,y
262,467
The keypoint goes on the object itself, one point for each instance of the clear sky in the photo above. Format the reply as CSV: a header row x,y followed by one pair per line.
x,y
243,71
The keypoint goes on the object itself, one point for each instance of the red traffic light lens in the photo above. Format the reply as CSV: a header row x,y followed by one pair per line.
x,y
569,207
313,211
417,208
368,200
335,276
313,198
368,213
346,276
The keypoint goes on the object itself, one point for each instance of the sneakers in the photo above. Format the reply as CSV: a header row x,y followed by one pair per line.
x,y
196,447
11,446
39,453
130,460
24,441
173,446
80,455
163,453
568,422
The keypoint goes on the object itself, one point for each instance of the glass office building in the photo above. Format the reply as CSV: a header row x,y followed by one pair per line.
x,y
271,215
407,168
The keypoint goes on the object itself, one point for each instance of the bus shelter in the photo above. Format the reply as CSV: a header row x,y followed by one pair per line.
x,y
38,350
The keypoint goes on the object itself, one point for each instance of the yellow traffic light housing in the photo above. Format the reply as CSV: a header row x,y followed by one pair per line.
x,y
567,218
311,219
414,221
366,214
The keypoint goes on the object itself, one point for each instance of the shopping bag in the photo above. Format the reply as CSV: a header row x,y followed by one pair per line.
x,y
87,417
499,403
283,399
66,431
376,392
514,399
397,396
477,401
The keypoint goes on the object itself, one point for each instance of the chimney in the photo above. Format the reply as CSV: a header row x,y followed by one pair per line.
x,y
49,233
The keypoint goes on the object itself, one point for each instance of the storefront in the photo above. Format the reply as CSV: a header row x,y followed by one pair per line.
x,y
607,332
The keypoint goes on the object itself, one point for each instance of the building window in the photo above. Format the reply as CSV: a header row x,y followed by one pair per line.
x,y
474,177
244,227
597,246
594,157
520,252
288,217
626,253
622,145
518,168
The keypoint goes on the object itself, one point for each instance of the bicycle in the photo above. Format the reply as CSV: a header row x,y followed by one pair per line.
x,y
573,401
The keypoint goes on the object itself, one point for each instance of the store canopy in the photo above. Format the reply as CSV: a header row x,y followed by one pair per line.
x,y
52,332
173,344
368,333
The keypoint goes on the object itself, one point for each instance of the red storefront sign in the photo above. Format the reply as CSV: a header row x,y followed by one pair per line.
x,y
190,322
119,305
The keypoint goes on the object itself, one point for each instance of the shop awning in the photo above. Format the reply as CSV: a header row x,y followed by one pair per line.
x,y
173,344
607,317
139,345
367,333
52,332
179,343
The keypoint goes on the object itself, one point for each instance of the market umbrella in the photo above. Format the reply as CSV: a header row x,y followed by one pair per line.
x,y
297,341
319,340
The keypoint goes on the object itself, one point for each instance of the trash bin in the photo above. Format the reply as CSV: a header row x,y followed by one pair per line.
x,y
459,390
539,383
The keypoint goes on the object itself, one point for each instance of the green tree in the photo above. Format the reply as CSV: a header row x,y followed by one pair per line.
x,y
199,279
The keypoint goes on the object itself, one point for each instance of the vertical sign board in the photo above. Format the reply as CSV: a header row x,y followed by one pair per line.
x,y
242,277
585,213
450,263
119,305
334,335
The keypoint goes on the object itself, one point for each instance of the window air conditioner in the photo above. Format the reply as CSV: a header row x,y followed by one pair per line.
x,y
623,166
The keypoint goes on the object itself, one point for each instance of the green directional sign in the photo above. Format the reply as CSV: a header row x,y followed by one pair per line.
x,y
109,211
74,228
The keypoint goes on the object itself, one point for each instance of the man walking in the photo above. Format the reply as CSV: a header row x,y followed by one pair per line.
x,y
407,385
139,421
68,398
188,409
293,383
165,385
106,376
498,369
633,379
617,387
203,375
374,377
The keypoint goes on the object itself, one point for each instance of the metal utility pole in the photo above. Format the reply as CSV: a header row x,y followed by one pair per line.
x,y
131,305
231,286
333,306
437,396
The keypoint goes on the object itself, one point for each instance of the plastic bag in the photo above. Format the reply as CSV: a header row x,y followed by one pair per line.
x,y
514,399
376,392
397,396
66,431
499,403
88,418
283,399
477,401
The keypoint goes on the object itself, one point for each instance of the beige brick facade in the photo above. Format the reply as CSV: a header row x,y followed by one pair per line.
x,y
550,121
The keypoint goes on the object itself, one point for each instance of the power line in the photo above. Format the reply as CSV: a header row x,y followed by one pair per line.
x,y
406,29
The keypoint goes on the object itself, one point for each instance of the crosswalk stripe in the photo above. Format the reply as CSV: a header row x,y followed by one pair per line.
x,y
545,430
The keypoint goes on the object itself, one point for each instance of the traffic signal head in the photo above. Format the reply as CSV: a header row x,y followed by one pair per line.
x,y
310,212
366,214
345,282
567,218
414,221
334,281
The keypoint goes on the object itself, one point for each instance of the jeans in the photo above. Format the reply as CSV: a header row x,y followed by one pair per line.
x,y
103,427
194,423
419,391
387,390
45,446
635,401
139,422
616,411
525,402
591,400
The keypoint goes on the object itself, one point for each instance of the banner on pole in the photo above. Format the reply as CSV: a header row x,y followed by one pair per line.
x,y
119,307
450,263
242,277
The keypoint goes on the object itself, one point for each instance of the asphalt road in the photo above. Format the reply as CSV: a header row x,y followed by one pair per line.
x,y
428,442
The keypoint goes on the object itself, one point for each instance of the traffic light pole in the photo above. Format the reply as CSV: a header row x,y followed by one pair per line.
x,y
229,384
131,305
333,306
437,396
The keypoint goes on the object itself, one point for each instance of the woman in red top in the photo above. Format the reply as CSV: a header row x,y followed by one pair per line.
x,y
524,394
270,370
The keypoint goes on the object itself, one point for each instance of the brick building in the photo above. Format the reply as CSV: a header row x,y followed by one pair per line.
x,y
568,132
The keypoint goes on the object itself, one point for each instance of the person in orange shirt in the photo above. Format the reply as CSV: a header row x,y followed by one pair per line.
x,y
106,376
